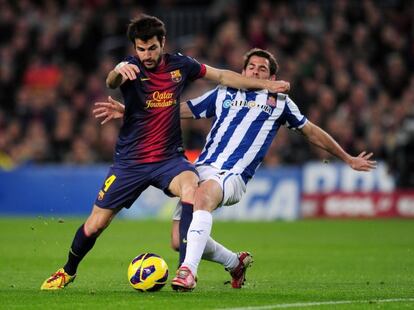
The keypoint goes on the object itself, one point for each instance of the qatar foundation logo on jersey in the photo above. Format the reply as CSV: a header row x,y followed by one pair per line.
x,y
176,76
160,100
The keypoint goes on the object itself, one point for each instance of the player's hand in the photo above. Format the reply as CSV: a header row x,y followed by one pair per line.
x,y
127,70
278,86
109,110
362,162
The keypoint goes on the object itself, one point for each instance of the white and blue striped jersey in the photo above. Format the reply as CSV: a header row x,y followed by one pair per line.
x,y
245,124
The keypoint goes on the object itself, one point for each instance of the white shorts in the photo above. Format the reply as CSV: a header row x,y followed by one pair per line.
x,y
232,185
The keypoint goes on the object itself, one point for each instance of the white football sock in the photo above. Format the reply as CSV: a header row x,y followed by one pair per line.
x,y
197,236
218,253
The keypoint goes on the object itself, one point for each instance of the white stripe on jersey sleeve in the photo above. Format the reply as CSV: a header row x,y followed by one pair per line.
x,y
295,119
199,106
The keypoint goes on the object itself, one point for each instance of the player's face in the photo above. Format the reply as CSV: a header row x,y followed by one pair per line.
x,y
149,52
258,68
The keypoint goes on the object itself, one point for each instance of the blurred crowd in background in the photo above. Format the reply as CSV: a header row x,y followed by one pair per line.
x,y
350,65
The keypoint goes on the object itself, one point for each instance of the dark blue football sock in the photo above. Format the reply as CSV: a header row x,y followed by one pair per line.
x,y
185,221
80,247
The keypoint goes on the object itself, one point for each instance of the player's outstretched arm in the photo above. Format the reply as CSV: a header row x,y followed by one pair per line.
x,y
236,80
322,139
122,72
112,109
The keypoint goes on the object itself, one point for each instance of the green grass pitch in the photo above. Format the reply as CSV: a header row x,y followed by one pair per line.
x,y
349,264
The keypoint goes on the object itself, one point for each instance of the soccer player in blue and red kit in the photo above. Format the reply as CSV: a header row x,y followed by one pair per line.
x,y
149,148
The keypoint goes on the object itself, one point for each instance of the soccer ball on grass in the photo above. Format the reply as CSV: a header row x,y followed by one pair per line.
x,y
147,272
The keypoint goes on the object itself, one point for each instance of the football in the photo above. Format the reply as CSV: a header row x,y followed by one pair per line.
x,y
147,272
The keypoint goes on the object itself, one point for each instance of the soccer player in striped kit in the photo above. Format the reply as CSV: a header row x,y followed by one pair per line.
x,y
246,123
149,149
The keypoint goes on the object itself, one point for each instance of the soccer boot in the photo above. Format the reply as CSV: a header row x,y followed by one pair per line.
x,y
58,280
184,280
238,273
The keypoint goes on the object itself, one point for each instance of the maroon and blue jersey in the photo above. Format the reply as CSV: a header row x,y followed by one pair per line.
x,y
151,131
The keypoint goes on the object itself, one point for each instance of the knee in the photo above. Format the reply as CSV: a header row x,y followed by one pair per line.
x,y
203,207
94,227
205,200
188,192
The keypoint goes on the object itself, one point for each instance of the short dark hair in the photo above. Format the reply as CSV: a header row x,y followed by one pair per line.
x,y
145,27
273,65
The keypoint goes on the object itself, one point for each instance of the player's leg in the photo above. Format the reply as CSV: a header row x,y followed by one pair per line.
x,y
120,189
175,235
235,263
83,241
86,236
207,197
228,190
180,229
186,216
214,251
184,185
218,253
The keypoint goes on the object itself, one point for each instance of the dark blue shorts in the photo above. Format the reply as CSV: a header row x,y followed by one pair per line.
x,y
124,184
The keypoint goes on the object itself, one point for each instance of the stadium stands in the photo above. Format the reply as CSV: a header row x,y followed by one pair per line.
x,y
350,64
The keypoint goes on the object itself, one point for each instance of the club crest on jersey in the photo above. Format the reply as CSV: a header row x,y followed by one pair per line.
x,y
271,101
176,76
